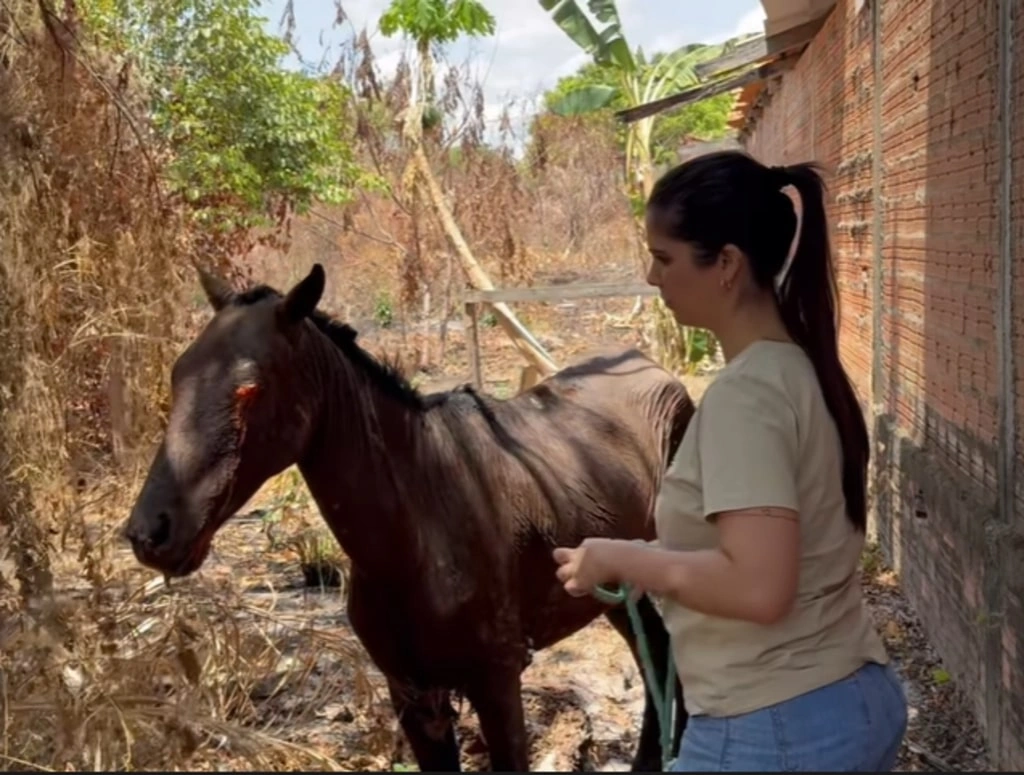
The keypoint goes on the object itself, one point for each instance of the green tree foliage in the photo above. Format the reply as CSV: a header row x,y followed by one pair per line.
x,y
246,134
705,120
436,21
430,23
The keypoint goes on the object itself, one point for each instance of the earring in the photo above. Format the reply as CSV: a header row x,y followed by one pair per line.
x,y
726,285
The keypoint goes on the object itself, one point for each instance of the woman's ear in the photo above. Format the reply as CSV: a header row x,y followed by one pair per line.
x,y
730,263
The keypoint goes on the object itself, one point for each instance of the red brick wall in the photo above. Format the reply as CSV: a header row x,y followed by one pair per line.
x,y
817,114
921,310
1012,630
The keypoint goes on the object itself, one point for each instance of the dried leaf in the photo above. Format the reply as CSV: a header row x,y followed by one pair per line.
x,y
190,664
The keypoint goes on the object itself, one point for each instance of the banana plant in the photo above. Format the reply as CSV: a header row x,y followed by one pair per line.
x,y
638,82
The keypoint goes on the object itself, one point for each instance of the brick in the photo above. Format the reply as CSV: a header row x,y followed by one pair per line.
x,y
940,257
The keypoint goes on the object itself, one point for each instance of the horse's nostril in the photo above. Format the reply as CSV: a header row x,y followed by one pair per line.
x,y
162,533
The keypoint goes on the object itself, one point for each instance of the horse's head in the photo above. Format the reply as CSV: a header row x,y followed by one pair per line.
x,y
238,416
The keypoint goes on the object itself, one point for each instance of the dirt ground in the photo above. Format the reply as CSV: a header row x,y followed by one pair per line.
x,y
943,733
584,696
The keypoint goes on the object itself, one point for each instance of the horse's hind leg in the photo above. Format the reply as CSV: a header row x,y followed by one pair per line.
x,y
427,719
648,757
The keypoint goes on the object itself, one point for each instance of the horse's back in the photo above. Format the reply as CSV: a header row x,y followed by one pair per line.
x,y
608,361
598,431
603,426
625,386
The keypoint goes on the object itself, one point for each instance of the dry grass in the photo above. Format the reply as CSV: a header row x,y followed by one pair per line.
x,y
150,677
558,214
102,667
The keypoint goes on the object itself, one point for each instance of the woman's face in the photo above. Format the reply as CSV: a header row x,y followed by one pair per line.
x,y
694,293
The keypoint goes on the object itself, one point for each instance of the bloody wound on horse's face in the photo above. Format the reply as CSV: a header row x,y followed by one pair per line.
x,y
199,476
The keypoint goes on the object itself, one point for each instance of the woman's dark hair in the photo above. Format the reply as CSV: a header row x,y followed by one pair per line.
x,y
727,198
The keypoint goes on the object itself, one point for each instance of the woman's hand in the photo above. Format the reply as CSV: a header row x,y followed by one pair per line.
x,y
593,563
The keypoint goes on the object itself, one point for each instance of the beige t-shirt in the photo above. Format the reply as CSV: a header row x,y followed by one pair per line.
x,y
763,436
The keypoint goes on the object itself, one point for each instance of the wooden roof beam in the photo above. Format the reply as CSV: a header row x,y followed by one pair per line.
x,y
755,50
699,93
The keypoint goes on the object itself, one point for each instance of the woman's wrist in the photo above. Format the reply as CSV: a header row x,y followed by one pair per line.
x,y
654,570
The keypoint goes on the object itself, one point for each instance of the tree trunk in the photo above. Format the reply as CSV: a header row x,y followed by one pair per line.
x,y
521,337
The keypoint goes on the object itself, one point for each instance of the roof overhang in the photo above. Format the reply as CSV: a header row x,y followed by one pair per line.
x,y
790,25
762,49
703,92
783,15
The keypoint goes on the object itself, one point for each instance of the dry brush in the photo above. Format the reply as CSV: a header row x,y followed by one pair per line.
x,y
101,666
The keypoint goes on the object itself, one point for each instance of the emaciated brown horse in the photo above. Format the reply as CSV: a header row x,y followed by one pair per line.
x,y
448,505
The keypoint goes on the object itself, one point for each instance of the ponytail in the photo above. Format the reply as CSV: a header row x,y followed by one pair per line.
x,y
808,302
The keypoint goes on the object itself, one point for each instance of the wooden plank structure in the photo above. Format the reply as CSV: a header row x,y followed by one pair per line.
x,y
751,62
474,298
760,49
704,91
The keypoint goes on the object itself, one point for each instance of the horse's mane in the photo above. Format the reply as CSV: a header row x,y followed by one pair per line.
x,y
386,374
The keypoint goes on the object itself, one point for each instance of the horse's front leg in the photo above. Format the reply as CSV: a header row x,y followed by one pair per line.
x,y
497,698
427,719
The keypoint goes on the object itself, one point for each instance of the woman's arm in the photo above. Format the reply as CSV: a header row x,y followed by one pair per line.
x,y
751,575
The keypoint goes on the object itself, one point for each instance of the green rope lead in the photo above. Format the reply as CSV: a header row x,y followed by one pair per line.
x,y
664,702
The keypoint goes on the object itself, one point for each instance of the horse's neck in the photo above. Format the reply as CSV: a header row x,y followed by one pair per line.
x,y
358,463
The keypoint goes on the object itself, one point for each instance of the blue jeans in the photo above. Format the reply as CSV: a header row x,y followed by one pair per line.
x,y
855,724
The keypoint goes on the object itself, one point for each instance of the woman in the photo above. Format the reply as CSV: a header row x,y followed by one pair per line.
x,y
761,514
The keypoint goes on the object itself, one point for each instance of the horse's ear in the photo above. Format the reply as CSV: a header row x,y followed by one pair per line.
x,y
218,292
302,299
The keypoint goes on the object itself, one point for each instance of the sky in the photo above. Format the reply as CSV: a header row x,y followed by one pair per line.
x,y
528,52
